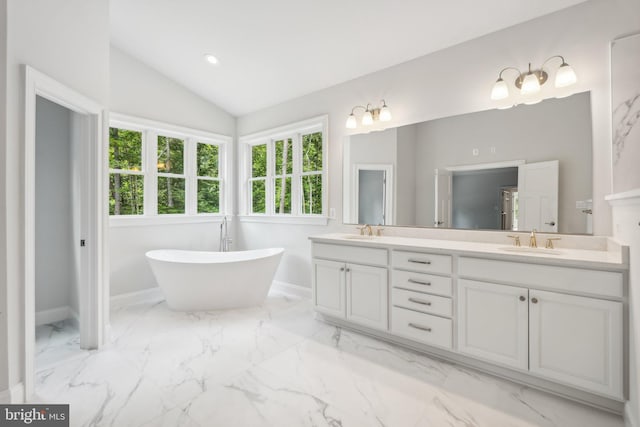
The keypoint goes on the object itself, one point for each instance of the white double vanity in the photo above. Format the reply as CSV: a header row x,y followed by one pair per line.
x,y
551,318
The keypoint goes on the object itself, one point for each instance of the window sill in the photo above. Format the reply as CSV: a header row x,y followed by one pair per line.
x,y
285,219
141,221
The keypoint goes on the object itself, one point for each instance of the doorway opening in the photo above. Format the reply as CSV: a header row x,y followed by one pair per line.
x,y
65,219
58,261
374,194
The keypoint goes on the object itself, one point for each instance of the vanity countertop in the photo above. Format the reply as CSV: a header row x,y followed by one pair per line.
x,y
612,259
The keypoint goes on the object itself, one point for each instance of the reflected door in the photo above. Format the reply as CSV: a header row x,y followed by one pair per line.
x,y
371,196
538,196
442,199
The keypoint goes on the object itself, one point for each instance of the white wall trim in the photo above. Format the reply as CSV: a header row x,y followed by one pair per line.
x,y
139,123
56,314
94,308
131,298
627,198
141,220
285,219
484,166
630,418
291,289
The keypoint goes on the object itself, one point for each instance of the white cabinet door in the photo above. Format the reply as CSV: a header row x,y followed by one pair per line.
x,y
367,295
492,322
329,287
577,341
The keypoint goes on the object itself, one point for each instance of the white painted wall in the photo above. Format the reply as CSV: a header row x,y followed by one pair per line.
x,y
455,81
54,276
140,91
69,41
626,228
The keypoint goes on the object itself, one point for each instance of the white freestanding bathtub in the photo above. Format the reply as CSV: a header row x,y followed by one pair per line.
x,y
200,281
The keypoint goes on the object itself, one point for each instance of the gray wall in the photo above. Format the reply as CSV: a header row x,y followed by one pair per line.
x,y
555,129
406,176
475,198
54,252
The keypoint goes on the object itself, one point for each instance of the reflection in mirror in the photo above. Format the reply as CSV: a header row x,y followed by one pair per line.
x,y
518,169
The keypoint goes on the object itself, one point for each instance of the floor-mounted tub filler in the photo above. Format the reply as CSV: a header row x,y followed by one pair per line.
x,y
200,281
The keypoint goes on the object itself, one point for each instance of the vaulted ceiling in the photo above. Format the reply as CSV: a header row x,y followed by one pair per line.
x,y
275,50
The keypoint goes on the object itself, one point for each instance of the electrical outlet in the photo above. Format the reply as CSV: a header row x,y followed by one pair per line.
x,y
475,152
332,213
493,150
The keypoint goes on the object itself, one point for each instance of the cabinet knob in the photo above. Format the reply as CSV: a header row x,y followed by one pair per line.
x,y
522,298
341,268
348,270
534,300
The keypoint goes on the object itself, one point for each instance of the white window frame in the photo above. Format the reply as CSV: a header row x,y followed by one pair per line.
x,y
143,167
150,131
269,137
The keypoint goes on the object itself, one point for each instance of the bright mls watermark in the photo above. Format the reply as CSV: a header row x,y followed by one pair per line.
x,y
34,415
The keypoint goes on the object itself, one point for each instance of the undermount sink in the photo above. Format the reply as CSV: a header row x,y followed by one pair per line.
x,y
358,237
528,250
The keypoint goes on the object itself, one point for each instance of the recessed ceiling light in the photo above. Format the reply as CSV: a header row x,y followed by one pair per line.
x,y
211,59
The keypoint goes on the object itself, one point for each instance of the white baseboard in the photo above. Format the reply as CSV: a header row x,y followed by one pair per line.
x,y
290,288
55,315
14,394
137,297
630,418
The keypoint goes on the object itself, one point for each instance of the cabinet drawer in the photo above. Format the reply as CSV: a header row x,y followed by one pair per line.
x,y
423,262
356,254
422,327
422,282
422,302
596,282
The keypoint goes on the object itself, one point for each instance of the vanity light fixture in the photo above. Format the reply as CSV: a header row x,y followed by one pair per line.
x,y
531,81
370,115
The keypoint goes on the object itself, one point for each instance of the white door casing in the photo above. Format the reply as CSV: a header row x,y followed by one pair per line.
x,y
91,126
442,214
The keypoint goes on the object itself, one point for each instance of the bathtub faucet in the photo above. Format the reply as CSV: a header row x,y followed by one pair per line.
x,y
225,240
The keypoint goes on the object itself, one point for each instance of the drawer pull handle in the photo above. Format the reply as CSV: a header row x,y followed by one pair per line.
x,y
422,328
419,301
419,261
419,282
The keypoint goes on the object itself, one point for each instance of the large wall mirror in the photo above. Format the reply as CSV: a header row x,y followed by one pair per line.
x,y
527,167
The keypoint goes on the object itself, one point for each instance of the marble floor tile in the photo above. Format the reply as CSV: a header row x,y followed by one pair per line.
x,y
56,342
276,365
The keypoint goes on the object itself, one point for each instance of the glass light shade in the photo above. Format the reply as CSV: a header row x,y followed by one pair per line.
x,y
385,114
530,84
351,122
565,76
367,118
500,90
